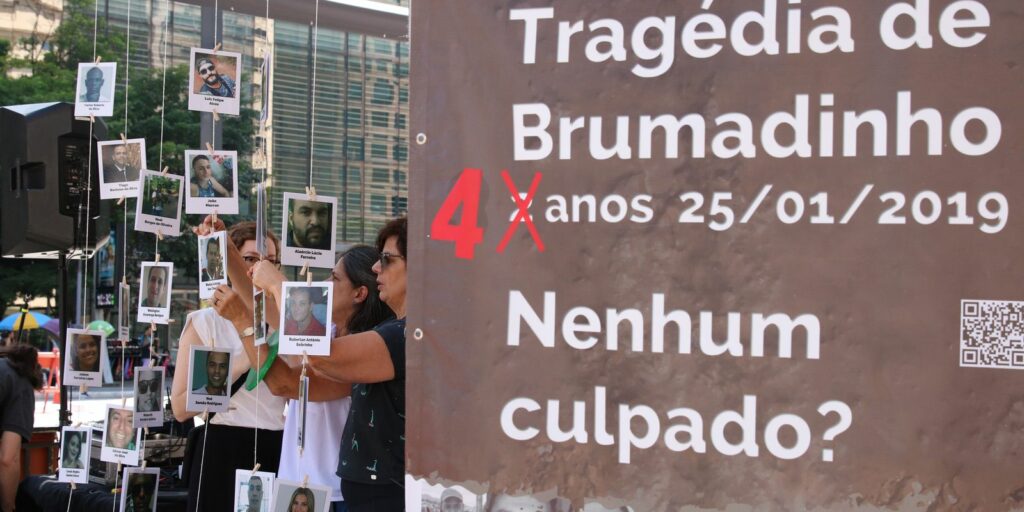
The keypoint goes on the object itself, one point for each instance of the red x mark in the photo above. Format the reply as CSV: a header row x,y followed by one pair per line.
x,y
522,215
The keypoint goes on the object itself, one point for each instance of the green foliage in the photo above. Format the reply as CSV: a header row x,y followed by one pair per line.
x,y
21,281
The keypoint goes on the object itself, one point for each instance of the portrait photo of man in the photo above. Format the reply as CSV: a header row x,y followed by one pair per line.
x,y
140,491
92,87
214,260
213,80
148,390
154,287
121,161
120,429
252,493
211,369
300,320
309,224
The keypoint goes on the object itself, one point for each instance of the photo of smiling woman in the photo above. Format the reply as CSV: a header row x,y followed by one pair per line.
x,y
74,455
72,450
84,364
87,353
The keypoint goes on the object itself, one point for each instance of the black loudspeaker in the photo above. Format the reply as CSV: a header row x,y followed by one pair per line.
x,y
43,180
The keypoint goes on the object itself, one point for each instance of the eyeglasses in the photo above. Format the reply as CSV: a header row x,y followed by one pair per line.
x,y
385,259
145,386
252,260
205,70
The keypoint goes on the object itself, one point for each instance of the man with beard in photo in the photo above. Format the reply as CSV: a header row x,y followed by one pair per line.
x,y
309,224
214,83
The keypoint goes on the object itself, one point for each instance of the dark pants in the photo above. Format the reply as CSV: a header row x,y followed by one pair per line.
x,y
227,449
339,506
389,497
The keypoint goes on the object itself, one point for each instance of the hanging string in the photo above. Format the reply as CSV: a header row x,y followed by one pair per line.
x,y
312,115
127,53
113,507
88,180
163,90
202,456
72,491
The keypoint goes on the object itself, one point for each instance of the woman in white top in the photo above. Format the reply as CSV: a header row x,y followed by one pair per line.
x,y
231,436
357,307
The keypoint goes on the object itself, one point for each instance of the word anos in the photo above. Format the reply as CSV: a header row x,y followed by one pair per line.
x,y
705,34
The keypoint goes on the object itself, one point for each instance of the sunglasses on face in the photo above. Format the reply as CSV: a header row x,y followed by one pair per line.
x,y
146,386
385,259
205,70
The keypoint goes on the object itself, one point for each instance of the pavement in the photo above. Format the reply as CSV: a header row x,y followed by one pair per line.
x,y
87,407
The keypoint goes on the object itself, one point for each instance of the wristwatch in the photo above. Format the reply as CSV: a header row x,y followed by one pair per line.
x,y
248,332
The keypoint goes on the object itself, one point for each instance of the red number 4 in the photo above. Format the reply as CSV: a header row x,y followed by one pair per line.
x,y
466,234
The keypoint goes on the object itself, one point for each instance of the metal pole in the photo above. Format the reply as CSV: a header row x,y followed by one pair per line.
x,y
62,308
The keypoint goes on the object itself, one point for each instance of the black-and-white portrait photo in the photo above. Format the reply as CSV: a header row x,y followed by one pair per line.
x,y
149,396
84,362
120,163
308,227
212,181
214,81
95,92
443,498
158,209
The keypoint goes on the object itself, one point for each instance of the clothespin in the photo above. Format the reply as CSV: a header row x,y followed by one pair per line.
x,y
119,201
98,59
166,168
305,362
216,48
159,236
157,257
305,482
92,118
255,469
124,140
216,115
124,400
209,148
206,415
73,486
306,272
311,192
214,218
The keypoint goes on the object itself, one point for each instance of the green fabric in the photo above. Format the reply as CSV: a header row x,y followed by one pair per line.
x,y
254,378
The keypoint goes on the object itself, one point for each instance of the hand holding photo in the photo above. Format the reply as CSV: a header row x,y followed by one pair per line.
x,y
213,84
121,440
95,94
74,455
212,182
308,227
305,317
120,163
155,292
158,209
85,349
212,263
209,379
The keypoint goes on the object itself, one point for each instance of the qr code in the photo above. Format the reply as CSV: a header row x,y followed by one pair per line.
x,y
992,334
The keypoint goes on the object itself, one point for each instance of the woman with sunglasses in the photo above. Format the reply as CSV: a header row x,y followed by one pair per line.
x,y
229,437
374,361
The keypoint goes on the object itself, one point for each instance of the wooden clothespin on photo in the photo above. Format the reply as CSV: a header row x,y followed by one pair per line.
x,y
305,482
119,201
216,48
311,192
254,469
159,236
214,218
216,115
305,271
209,149
124,140
166,168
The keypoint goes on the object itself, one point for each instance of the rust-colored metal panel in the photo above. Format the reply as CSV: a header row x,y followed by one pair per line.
x,y
903,310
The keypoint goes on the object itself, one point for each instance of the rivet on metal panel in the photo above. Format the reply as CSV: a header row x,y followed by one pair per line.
x,y
417,334
421,138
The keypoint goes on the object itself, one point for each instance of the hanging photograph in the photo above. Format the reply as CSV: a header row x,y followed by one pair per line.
x,y
139,488
292,496
305,317
149,396
74,455
259,323
84,364
95,93
120,163
121,440
209,385
212,181
124,300
212,263
253,490
155,292
213,83
308,230
158,209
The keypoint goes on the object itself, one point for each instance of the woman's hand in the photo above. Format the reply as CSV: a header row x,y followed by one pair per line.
x,y
229,305
267,277
209,226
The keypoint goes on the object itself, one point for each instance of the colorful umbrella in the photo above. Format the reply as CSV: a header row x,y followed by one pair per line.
x,y
32,321
100,325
